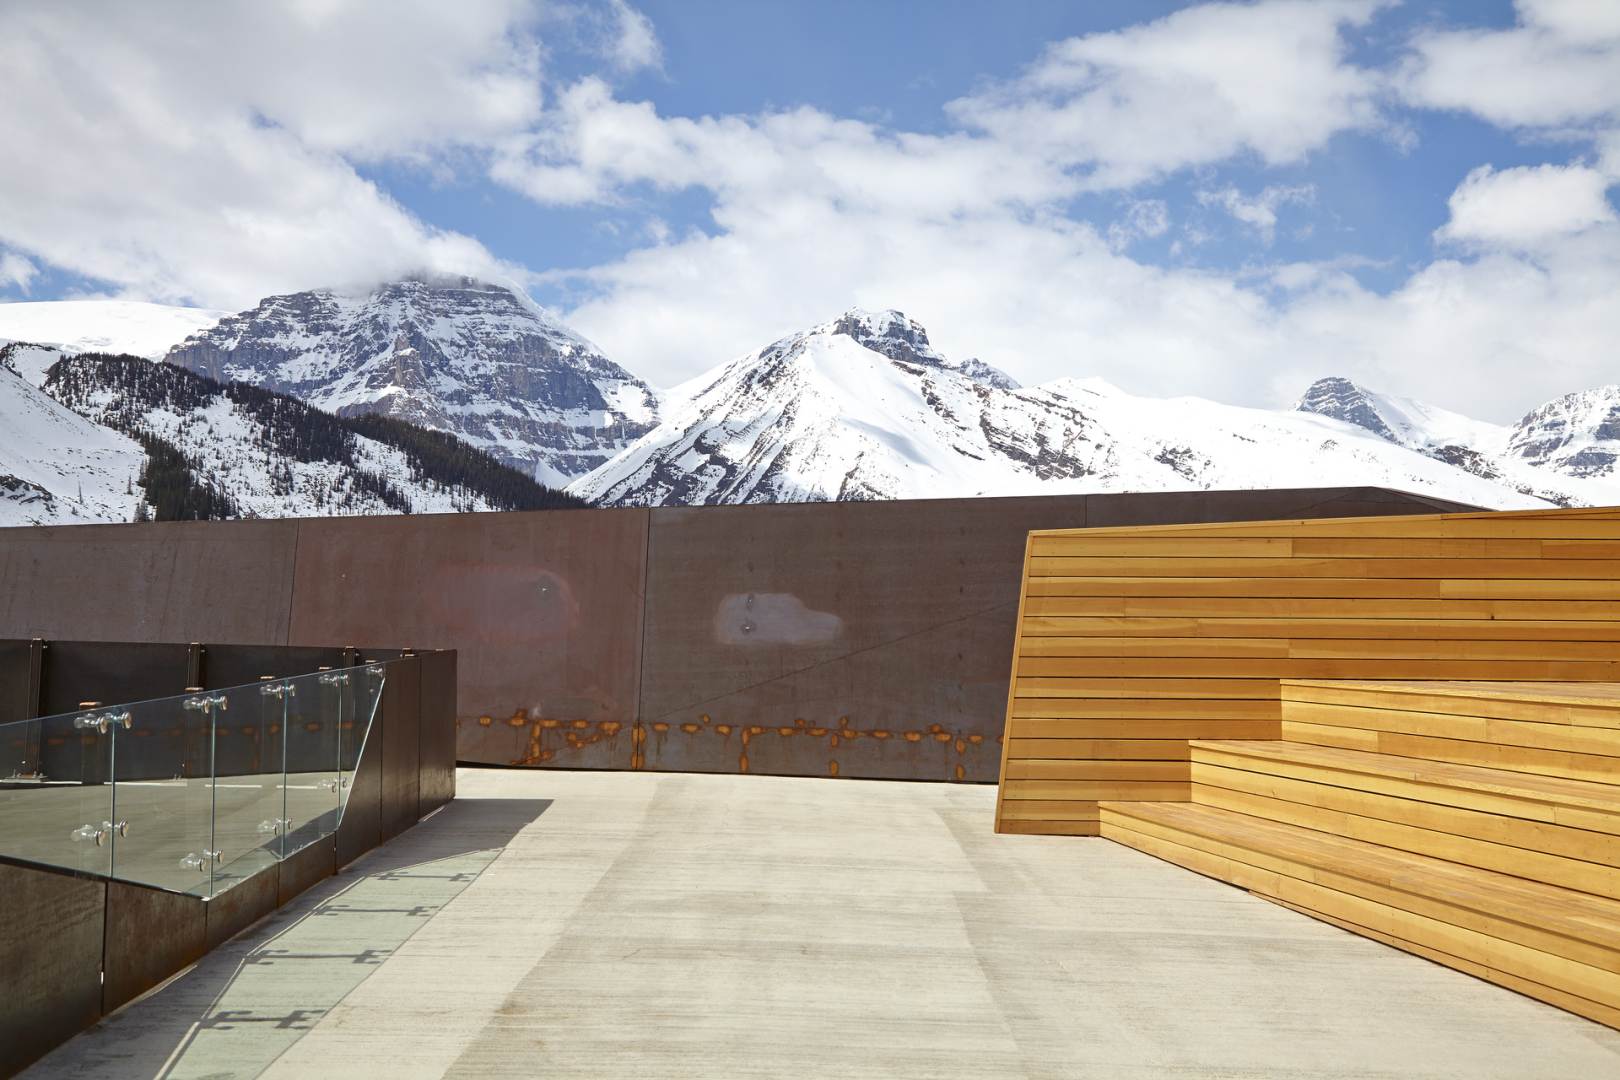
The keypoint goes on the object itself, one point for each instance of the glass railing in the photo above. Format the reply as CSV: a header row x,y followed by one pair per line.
x,y
191,793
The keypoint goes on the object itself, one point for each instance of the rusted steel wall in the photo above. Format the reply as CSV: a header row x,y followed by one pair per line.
x,y
847,639
544,610
170,581
856,639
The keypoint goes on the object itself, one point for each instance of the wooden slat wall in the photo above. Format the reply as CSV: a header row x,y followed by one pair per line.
x,y
1133,640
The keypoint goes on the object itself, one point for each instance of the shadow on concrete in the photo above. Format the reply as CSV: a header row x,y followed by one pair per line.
x,y
246,1003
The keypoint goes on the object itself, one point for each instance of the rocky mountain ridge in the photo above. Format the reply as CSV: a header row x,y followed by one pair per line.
x,y
1566,451
475,359
862,407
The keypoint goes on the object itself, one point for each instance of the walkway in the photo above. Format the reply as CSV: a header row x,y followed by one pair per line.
x,y
623,925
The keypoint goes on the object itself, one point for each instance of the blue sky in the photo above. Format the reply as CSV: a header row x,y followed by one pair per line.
x,y
1226,199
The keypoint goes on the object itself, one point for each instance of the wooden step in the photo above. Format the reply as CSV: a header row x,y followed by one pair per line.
x,y
1561,832
1552,729
1531,936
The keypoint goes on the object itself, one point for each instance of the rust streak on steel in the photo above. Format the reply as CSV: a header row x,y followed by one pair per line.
x,y
554,741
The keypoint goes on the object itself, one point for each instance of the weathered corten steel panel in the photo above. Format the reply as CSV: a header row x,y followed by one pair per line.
x,y
14,681
50,959
169,581
151,934
436,774
238,665
854,639
544,610
304,868
360,828
400,723
110,672
1188,507
243,904
866,639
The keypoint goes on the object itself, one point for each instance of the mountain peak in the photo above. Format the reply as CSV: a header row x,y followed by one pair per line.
x,y
1340,399
476,358
891,333
899,337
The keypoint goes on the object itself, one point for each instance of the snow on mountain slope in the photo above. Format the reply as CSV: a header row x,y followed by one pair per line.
x,y
479,360
111,326
31,361
824,415
1564,452
56,467
233,450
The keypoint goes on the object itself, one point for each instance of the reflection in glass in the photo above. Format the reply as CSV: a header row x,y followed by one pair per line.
x,y
192,793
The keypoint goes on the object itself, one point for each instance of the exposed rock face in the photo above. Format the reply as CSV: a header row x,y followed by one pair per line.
x,y
1343,400
468,357
893,334
1577,434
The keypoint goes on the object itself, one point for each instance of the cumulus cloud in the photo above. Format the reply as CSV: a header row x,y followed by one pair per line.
x,y
211,152
971,231
1207,83
1559,67
1258,211
1524,208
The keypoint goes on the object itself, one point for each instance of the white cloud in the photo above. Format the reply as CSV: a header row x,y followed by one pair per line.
x,y
1526,207
16,271
1259,211
1492,336
1270,79
1143,218
1559,67
595,146
633,41
203,152
971,233
209,152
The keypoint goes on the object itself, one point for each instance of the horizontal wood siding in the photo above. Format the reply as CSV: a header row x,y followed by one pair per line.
x,y
1133,641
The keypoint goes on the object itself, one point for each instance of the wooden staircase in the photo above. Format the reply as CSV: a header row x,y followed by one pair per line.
x,y
1476,824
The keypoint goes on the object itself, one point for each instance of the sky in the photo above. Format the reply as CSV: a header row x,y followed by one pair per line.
x,y
1224,199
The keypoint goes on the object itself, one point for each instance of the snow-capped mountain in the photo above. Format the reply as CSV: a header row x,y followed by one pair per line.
x,y
1564,452
861,408
121,438
476,359
109,326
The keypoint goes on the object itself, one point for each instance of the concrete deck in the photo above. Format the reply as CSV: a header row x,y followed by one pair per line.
x,y
641,925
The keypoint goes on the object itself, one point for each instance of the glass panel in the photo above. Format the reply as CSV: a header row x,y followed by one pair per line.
x,y
249,809
313,775
192,793
164,794
56,802
359,710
